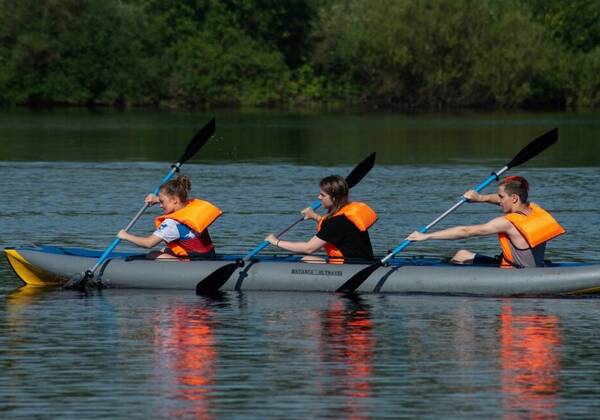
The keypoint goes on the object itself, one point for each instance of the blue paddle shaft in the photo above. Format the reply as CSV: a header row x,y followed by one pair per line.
x,y
133,221
463,200
265,244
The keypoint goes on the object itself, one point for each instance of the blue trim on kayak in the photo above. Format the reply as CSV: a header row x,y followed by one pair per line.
x,y
394,262
78,252
93,253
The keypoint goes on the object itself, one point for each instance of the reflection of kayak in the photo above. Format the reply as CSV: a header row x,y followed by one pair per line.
x,y
48,265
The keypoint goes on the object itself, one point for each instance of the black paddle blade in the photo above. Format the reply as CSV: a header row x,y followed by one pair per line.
x,y
360,171
215,280
534,148
359,278
198,141
78,281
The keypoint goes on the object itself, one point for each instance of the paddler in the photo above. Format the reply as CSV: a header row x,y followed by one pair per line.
x,y
523,230
184,224
342,232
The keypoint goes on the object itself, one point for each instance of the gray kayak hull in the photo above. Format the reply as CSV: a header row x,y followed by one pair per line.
x,y
51,266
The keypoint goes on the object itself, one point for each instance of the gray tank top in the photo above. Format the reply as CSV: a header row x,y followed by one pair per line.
x,y
529,257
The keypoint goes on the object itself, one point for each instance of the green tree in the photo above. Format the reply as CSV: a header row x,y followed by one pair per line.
x,y
210,59
432,53
72,51
574,23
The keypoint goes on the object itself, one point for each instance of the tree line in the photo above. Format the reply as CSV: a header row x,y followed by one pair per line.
x,y
375,54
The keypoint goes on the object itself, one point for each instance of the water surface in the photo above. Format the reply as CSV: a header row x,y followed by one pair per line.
x,y
318,139
73,177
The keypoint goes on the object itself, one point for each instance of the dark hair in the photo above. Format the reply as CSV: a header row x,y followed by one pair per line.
x,y
337,188
516,185
179,187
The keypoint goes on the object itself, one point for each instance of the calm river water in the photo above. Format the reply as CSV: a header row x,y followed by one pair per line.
x,y
73,177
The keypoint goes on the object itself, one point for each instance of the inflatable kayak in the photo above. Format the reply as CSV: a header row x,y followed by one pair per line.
x,y
50,265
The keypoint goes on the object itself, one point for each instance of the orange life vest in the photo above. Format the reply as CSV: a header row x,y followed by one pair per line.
x,y
196,215
361,216
536,228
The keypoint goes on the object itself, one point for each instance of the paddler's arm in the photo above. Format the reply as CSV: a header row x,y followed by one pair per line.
x,y
309,213
497,225
473,196
145,242
309,247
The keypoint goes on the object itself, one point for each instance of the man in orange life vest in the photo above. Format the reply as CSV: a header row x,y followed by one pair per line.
x,y
523,230
342,232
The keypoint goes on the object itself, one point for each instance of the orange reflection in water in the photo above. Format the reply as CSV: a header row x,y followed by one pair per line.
x,y
530,364
347,349
185,350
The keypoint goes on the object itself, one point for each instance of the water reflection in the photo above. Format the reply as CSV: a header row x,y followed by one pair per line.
x,y
57,350
347,347
185,354
81,135
17,303
160,354
24,296
28,306
530,364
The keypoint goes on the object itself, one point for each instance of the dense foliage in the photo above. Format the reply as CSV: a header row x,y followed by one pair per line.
x,y
381,54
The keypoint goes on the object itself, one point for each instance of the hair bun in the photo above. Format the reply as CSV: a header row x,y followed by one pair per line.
x,y
185,182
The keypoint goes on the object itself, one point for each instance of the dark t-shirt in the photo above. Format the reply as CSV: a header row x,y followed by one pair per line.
x,y
344,235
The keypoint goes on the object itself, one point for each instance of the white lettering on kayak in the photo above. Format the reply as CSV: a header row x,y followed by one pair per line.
x,y
313,272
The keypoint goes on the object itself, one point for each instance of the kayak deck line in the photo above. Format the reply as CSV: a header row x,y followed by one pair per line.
x,y
588,291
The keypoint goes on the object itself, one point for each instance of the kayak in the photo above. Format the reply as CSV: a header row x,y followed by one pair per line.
x,y
53,266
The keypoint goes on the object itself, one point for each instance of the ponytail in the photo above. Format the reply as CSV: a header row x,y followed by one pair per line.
x,y
179,188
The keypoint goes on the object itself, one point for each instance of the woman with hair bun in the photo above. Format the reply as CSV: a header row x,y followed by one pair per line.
x,y
184,224
341,232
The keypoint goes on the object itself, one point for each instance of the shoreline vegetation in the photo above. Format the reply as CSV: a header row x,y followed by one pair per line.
x,y
384,54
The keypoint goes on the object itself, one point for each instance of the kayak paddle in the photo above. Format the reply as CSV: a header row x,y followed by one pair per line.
x,y
201,137
214,281
531,150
